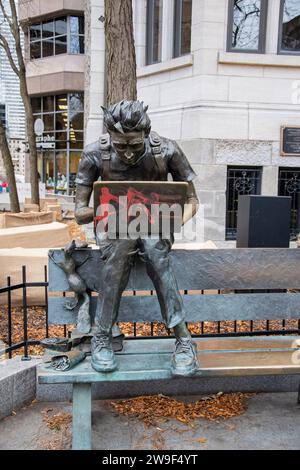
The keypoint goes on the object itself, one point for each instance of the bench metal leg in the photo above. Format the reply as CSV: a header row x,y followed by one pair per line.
x,y
82,417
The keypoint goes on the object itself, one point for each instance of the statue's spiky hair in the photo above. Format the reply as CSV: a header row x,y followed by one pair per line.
x,y
127,116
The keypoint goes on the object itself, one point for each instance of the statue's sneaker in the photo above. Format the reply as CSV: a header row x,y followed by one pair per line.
x,y
184,360
103,358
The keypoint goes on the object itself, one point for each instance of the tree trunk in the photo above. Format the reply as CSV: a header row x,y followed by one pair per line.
x,y
120,51
9,170
33,157
34,180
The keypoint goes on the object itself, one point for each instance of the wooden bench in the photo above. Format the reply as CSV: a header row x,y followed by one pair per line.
x,y
196,271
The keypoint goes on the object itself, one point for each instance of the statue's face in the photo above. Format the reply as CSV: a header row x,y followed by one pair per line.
x,y
129,146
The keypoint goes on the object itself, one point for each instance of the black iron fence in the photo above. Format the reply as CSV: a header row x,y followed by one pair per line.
x,y
24,285
289,185
201,329
240,181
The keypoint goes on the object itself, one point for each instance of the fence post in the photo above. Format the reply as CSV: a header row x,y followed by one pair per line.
x,y
26,357
46,301
9,316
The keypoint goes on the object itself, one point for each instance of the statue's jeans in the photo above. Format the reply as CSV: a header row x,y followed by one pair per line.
x,y
118,256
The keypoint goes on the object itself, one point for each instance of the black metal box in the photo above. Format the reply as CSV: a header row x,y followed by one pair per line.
x,y
263,222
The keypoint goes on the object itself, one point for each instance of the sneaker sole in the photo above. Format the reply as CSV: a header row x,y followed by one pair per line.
x,y
98,368
184,373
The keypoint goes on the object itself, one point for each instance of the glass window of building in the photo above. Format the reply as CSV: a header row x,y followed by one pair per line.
x,y
2,114
76,35
61,144
182,27
247,25
154,31
289,28
57,36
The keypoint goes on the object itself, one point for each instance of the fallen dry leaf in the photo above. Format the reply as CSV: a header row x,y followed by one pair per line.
x,y
231,427
58,421
202,440
151,409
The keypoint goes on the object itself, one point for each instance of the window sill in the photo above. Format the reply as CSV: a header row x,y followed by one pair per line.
x,y
65,54
268,60
173,64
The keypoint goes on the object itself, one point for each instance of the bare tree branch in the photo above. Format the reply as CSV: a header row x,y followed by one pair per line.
x,y
20,70
5,13
15,29
4,44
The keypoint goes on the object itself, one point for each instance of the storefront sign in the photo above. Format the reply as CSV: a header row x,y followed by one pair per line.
x,y
290,141
45,145
45,142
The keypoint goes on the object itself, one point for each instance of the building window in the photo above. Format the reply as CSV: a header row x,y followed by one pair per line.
x,y
182,27
2,115
154,31
289,185
168,29
57,36
247,26
289,27
240,180
76,34
61,144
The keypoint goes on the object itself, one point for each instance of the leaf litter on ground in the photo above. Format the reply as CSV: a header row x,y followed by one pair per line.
x,y
152,410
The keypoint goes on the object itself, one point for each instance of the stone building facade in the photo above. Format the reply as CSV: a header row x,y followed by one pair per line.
x,y
219,85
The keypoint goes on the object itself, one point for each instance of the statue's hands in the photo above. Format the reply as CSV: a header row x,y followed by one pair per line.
x,y
84,215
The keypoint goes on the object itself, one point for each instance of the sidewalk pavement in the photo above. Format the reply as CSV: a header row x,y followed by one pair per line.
x,y
272,421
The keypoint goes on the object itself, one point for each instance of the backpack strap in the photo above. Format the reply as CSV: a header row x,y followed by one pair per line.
x,y
105,147
155,143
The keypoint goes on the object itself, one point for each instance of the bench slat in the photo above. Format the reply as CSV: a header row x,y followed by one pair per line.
x,y
223,307
241,268
157,366
252,343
